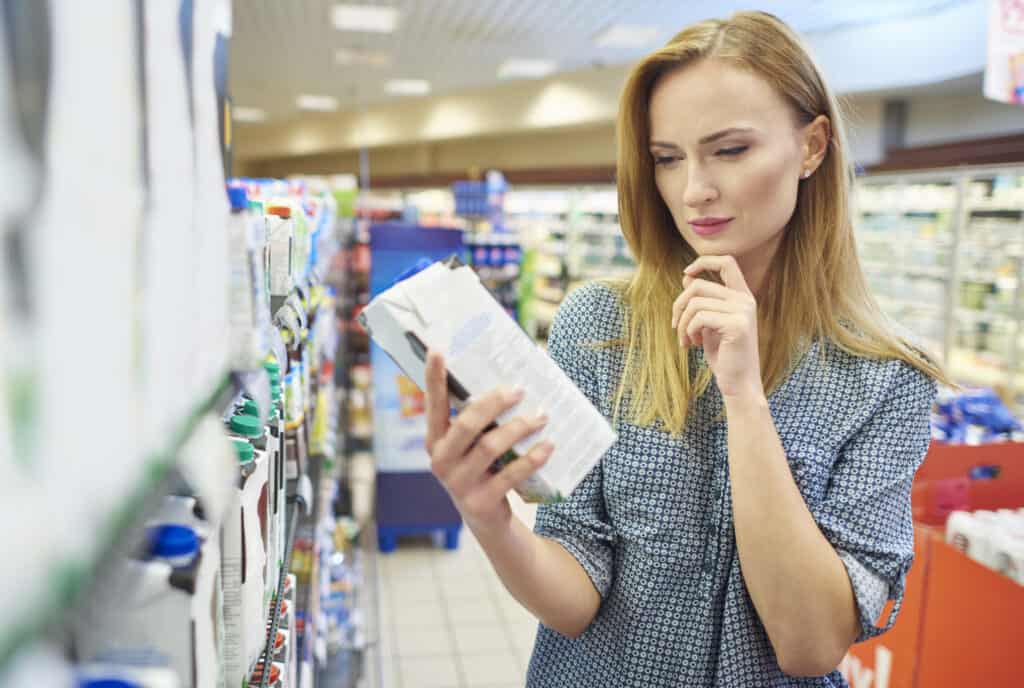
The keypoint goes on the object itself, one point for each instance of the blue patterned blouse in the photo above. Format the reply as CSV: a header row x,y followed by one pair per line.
x,y
652,523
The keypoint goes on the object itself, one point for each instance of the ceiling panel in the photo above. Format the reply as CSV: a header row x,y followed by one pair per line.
x,y
281,48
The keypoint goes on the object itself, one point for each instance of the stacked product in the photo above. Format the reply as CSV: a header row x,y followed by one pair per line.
x,y
976,416
992,538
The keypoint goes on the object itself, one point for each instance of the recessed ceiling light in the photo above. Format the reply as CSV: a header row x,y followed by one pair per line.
x,y
408,87
321,103
345,56
525,69
627,36
369,18
248,114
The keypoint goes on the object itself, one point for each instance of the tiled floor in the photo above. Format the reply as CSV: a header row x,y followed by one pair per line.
x,y
446,621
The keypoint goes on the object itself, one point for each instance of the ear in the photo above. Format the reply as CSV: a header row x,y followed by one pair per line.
x,y
816,137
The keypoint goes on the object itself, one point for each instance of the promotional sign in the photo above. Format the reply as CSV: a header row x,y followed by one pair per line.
x,y
399,418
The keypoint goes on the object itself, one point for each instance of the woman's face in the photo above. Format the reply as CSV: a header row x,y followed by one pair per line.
x,y
729,156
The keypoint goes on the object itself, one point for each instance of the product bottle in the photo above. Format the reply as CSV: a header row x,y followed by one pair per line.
x,y
245,323
280,236
160,612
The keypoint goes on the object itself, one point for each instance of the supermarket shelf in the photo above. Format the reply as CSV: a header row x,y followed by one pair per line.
x,y
544,311
974,315
72,580
548,294
939,273
292,522
904,304
965,367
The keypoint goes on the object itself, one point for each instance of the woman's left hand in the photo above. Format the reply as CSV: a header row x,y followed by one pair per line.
x,y
722,319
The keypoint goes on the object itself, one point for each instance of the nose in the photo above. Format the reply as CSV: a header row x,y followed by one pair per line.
x,y
700,188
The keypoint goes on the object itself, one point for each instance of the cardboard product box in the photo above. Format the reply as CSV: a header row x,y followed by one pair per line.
x,y
445,307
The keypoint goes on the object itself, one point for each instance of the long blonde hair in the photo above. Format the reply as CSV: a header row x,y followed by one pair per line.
x,y
816,268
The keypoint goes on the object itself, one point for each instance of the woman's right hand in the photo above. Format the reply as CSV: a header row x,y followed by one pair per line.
x,y
460,455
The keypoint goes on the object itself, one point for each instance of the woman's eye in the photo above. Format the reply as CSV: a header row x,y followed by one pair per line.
x,y
664,159
731,152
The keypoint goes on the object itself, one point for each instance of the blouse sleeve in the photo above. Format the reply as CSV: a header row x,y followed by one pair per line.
x,y
580,523
866,511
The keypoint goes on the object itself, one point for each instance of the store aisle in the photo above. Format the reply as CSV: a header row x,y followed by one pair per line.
x,y
446,620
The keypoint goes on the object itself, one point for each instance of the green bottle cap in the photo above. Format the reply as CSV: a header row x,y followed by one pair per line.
x,y
275,378
246,426
272,367
245,451
251,408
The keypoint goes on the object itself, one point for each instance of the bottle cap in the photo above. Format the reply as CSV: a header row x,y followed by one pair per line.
x,y
281,211
172,541
244,450
246,426
272,367
238,198
250,408
106,683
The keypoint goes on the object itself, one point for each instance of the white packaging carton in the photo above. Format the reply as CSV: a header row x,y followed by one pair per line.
x,y
446,308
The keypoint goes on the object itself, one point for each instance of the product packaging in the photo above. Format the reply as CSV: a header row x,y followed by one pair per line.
x,y
161,612
446,308
243,564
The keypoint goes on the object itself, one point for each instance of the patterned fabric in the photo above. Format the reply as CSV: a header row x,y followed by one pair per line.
x,y
652,523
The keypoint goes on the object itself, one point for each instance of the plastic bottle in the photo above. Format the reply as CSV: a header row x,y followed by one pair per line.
x,y
280,237
178,545
246,346
160,612
123,676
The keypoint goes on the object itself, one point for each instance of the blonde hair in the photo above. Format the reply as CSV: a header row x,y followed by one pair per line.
x,y
816,268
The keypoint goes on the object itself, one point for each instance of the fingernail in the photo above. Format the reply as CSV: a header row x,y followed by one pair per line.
x,y
540,418
547,448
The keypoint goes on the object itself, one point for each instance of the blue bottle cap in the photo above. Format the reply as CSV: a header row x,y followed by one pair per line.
x,y
106,683
238,198
173,541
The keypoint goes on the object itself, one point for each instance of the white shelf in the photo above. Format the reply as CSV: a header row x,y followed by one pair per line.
x,y
975,315
966,367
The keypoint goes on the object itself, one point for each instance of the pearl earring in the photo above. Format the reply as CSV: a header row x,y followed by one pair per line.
x,y
806,174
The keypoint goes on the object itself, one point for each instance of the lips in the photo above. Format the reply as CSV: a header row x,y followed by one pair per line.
x,y
709,226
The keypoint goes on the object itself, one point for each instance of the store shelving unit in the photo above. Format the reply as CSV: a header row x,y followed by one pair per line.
x,y
943,253
575,236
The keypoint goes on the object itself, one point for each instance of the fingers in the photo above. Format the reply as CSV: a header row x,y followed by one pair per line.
x,y
708,320
436,399
513,475
695,306
726,266
699,288
468,425
468,472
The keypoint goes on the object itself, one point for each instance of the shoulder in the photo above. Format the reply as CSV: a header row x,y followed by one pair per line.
x,y
874,379
592,313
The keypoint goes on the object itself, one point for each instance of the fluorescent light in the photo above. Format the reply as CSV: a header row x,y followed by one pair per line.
x,y
525,69
627,36
248,114
321,103
369,18
367,58
408,87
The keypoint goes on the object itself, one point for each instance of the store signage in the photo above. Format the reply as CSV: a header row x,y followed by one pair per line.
x,y
1004,69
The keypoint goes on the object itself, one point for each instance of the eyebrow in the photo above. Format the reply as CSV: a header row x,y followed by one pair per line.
x,y
710,138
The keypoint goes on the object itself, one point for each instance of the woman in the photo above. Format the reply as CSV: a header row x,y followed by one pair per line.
x,y
753,517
